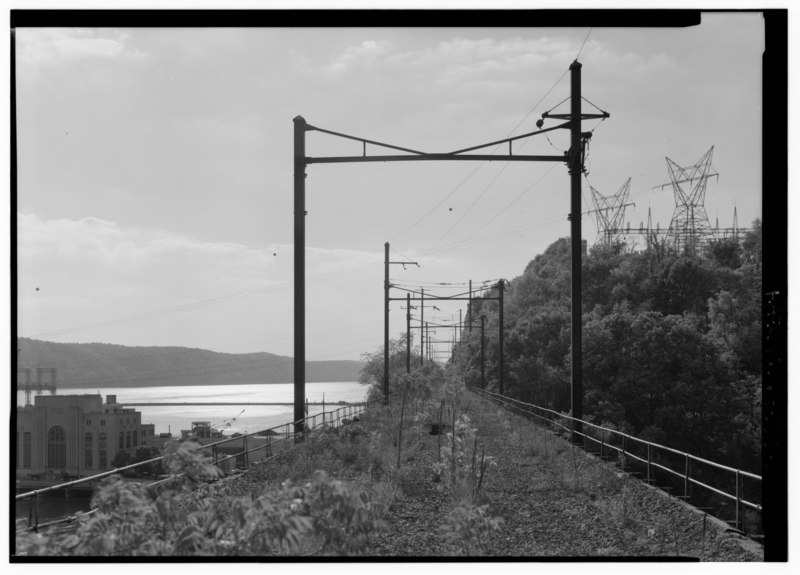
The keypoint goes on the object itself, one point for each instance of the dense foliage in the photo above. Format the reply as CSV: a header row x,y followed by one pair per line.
x,y
671,343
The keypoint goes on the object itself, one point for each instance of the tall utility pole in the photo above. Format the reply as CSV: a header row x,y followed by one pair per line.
x,y
427,342
502,366
469,307
408,333
483,353
575,164
576,172
573,158
386,319
300,128
386,324
422,330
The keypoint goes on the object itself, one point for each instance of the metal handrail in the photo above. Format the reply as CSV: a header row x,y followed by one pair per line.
x,y
352,410
525,407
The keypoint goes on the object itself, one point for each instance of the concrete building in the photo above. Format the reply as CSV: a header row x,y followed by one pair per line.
x,y
69,436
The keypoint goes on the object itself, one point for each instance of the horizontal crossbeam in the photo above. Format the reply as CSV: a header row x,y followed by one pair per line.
x,y
445,298
435,157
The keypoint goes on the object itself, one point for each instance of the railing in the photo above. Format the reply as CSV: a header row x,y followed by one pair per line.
x,y
285,433
651,456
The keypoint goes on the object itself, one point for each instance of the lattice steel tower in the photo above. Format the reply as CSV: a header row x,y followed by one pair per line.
x,y
610,213
689,227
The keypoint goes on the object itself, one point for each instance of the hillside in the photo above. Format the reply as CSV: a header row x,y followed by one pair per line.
x,y
90,364
671,343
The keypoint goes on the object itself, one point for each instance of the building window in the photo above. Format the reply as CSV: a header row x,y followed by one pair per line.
x,y
135,438
121,439
26,450
56,448
89,447
102,422
102,455
88,422
128,439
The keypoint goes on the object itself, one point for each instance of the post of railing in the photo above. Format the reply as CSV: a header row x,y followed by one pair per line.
x,y
602,441
246,455
33,512
686,477
737,499
268,448
648,463
214,454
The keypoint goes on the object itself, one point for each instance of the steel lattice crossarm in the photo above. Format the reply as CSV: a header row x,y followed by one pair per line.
x,y
610,212
416,155
689,227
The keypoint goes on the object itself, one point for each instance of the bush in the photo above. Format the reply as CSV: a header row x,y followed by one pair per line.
x,y
469,529
190,517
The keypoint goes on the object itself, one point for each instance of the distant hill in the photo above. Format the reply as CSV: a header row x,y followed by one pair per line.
x,y
94,364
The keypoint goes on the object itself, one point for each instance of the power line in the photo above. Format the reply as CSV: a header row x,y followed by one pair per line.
x,y
502,169
448,248
584,43
469,209
481,164
512,202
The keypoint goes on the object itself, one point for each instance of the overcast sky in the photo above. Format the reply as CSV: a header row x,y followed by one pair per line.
x,y
155,188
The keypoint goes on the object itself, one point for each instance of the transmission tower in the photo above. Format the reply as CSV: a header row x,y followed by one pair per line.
x,y
689,227
610,213
45,380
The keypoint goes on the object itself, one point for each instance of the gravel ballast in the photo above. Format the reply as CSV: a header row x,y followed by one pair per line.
x,y
555,502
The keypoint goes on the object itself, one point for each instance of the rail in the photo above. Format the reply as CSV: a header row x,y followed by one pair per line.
x,y
286,432
649,454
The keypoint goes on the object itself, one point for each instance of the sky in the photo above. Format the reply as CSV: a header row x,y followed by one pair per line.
x,y
155,176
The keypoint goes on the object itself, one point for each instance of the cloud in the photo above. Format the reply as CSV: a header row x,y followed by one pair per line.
x,y
48,46
95,280
365,52
103,253
464,58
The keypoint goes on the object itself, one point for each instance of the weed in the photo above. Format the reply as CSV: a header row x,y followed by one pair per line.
x,y
469,529
190,518
459,470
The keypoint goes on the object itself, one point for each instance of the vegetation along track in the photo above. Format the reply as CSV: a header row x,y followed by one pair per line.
x,y
385,486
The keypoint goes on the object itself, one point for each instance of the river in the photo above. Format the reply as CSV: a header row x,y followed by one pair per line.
x,y
227,418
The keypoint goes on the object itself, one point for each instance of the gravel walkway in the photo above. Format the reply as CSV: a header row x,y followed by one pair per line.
x,y
554,502
575,505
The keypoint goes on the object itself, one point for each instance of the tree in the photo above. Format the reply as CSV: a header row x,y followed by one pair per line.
x,y
671,343
683,284
752,244
372,372
725,252
666,375
125,457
